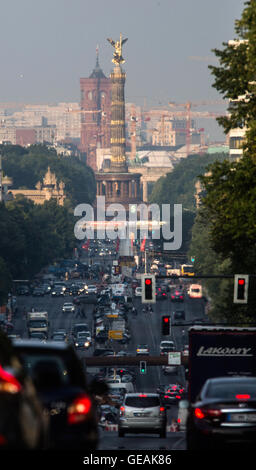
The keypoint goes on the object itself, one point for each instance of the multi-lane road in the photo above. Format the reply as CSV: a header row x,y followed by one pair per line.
x,y
144,328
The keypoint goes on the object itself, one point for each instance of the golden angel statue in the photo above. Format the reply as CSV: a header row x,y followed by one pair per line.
x,y
118,59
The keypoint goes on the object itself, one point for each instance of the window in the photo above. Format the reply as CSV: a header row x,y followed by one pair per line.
x,y
236,142
142,402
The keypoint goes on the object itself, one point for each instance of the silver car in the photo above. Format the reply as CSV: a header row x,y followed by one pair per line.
x,y
142,412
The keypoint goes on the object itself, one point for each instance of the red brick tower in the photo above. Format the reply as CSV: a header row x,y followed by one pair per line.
x,y
95,120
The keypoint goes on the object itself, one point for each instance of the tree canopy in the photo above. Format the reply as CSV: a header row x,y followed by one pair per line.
x,y
227,230
32,236
178,187
27,166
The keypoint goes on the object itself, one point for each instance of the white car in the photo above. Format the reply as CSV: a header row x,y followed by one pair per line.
x,y
68,307
92,289
166,346
142,349
138,291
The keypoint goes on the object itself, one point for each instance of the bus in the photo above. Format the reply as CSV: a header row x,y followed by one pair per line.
x,y
187,270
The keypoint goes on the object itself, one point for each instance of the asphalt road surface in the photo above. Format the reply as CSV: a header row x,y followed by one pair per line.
x,y
145,328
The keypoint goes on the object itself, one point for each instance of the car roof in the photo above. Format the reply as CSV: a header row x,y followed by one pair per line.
x,y
142,395
236,379
34,344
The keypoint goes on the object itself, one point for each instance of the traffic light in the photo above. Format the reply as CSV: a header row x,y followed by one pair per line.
x,y
241,282
148,284
143,367
166,325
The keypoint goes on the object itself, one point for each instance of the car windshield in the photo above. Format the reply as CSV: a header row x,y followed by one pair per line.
x,y
46,371
142,402
83,334
231,390
37,323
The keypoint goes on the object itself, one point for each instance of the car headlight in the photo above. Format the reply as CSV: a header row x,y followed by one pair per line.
x,y
77,344
87,344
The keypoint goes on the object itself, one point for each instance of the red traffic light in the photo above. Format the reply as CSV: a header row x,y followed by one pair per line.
x,y
166,319
148,282
241,282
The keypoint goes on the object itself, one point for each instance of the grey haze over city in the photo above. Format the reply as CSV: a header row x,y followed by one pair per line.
x,y
47,46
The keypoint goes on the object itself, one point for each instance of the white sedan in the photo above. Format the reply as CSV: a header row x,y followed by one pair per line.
x,y
68,307
91,289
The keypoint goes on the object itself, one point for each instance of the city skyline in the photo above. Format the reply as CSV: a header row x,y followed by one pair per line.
x,y
48,47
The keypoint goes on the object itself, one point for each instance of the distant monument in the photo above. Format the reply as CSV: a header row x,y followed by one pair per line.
x,y
114,182
45,191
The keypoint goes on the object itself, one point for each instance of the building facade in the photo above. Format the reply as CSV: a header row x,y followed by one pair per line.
x,y
95,113
48,189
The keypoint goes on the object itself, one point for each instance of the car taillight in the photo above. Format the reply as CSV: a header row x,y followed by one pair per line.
x,y
79,410
243,397
199,413
178,397
3,440
162,410
8,383
207,413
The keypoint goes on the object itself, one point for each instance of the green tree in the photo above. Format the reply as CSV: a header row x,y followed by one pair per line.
x,y
28,166
178,187
5,282
228,203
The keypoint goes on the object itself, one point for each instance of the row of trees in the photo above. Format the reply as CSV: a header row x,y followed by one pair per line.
x,y
178,187
27,166
32,236
224,234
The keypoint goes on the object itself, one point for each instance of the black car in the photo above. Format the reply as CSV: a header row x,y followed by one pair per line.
x,y
179,315
103,352
177,295
161,293
60,381
223,415
79,327
23,290
171,394
23,424
38,292
57,292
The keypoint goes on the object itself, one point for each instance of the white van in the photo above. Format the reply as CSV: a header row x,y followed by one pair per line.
x,y
116,383
195,291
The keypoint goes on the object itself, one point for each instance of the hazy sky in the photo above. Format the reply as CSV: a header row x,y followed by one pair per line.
x,y
48,45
